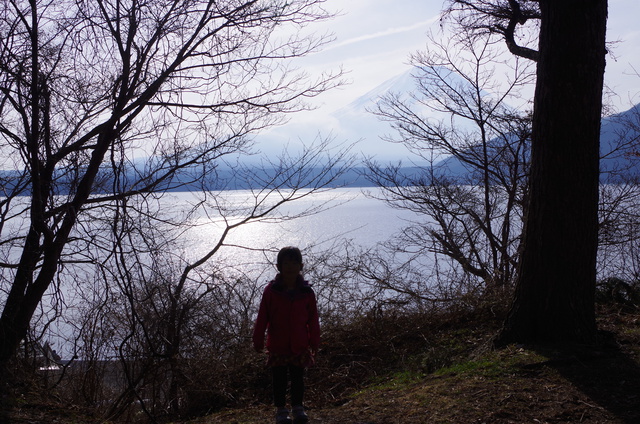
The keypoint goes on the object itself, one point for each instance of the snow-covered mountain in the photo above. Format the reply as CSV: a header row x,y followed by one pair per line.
x,y
619,142
356,121
351,123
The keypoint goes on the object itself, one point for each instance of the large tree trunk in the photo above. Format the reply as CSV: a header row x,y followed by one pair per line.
x,y
554,298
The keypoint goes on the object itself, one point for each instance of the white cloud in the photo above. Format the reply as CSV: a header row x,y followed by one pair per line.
x,y
390,31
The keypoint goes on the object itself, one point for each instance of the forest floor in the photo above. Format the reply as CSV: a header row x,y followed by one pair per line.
x,y
511,385
516,384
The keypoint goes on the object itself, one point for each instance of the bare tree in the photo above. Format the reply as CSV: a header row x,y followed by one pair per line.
x,y
162,307
515,21
619,211
165,306
472,201
102,101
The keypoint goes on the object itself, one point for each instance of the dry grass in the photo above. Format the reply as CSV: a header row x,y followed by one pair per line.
x,y
512,385
426,370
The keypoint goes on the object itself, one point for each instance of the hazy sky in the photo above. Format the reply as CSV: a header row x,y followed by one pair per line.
x,y
375,37
623,65
373,42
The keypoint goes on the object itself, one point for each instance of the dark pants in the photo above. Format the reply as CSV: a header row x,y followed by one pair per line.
x,y
281,376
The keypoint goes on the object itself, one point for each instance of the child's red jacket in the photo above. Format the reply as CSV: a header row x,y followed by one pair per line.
x,y
290,319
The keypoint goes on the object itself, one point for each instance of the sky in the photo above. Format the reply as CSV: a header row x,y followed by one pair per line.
x,y
622,74
374,39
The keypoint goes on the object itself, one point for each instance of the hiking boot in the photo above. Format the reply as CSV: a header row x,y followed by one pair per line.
x,y
282,416
299,416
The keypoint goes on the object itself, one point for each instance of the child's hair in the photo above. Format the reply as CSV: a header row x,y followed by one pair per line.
x,y
289,252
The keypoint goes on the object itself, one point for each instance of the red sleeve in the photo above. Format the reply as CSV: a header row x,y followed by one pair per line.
x,y
314,324
262,322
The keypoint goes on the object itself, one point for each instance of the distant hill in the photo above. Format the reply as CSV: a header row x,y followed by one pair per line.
x,y
619,150
620,160
620,145
356,122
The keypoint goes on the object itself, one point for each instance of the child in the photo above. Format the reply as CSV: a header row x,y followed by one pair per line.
x,y
289,314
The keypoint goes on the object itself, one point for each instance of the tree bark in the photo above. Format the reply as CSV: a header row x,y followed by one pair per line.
x,y
554,299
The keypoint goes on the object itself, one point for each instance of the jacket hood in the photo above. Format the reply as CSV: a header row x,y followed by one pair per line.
x,y
301,284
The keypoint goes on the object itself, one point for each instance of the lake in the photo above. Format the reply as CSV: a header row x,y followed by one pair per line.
x,y
344,213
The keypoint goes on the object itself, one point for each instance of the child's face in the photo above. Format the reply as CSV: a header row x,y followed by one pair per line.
x,y
289,267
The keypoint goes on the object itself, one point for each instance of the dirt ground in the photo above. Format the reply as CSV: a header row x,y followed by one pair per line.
x,y
513,385
602,387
